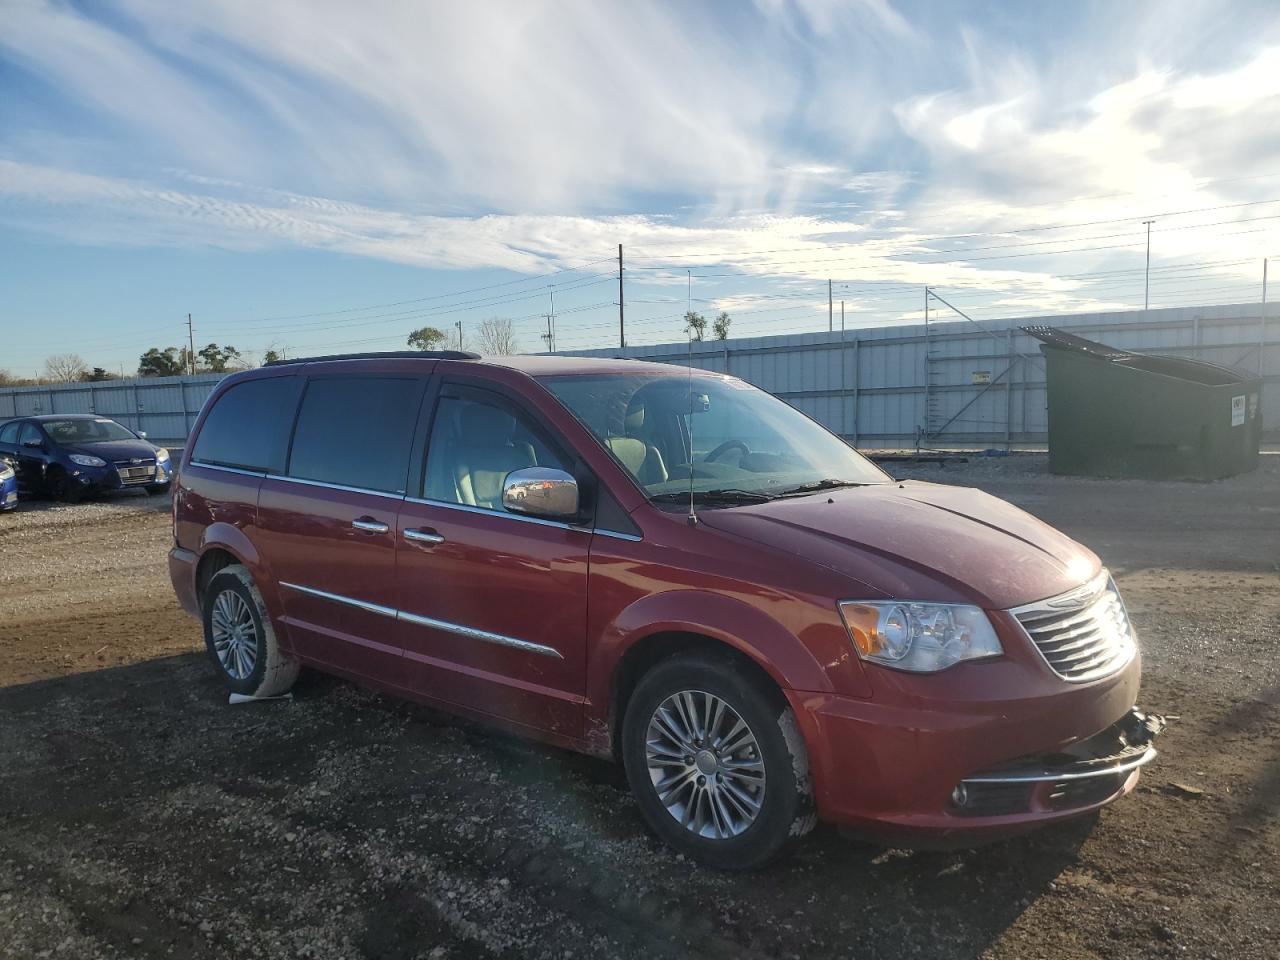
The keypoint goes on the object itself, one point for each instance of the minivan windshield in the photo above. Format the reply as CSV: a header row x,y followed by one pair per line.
x,y
86,431
746,444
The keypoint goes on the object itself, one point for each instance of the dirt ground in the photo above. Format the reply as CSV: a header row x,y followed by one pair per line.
x,y
141,816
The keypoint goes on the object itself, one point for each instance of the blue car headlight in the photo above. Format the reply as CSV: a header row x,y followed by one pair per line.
x,y
85,460
6,473
162,455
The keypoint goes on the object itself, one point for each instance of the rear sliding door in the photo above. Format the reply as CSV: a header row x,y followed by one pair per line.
x,y
327,527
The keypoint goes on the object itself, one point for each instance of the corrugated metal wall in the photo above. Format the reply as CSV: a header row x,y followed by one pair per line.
x,y
165,408
952,384
955,383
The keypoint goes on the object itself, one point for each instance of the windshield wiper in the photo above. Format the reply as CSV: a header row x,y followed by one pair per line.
x,y
720,495
816,485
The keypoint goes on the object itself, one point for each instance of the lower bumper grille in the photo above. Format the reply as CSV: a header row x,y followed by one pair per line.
x,y
129,475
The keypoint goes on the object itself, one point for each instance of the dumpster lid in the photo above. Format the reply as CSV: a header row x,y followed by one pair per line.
x,y
1069,341
1182,368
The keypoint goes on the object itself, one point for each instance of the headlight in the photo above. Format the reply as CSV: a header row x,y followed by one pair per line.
x,y
162,455
6,473
919,637
87,461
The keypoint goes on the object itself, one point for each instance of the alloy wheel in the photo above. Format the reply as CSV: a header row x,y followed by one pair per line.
x,y
235,637
705,764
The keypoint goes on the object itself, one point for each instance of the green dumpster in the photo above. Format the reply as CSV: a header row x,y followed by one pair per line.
x,y
1113,413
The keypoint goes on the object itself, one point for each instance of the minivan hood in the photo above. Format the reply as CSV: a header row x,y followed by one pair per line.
x,y
919,541
113,451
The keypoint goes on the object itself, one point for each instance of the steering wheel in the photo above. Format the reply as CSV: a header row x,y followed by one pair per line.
x,y
725,447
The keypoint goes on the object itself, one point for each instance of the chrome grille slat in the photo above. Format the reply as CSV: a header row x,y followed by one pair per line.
x,y
1082,635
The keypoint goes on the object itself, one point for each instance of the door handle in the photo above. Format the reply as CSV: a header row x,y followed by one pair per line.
x,y
423,536
370,525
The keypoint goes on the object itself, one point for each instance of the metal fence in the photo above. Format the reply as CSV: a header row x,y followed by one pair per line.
x,y
949,383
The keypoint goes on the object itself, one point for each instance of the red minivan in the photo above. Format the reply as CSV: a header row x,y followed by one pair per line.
x,y
668,567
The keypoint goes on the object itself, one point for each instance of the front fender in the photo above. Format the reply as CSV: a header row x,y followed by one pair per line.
x,y
745,628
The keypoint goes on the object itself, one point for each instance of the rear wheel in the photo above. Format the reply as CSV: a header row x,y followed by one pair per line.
x,y
240,638
716,762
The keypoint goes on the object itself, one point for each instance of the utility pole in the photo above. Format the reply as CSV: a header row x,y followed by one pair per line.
x,y
458,324
1146,294
191,345
842,316
622,329
831,324
553,317
1262,319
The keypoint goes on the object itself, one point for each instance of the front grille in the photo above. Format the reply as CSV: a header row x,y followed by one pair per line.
x,y
1084,634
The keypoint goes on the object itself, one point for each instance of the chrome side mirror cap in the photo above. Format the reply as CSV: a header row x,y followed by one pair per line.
x,y
541,492
142,434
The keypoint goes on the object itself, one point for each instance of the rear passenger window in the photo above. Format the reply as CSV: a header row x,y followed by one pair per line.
x,y
9,433
356,432
476,440
249,425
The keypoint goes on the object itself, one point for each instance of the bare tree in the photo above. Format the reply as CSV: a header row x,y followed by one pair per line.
x,y
497,339
65,368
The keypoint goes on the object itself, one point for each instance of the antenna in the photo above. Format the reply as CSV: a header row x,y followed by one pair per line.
x,y
688,316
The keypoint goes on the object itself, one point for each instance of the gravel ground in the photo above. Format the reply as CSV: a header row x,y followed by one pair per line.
x,y
142,816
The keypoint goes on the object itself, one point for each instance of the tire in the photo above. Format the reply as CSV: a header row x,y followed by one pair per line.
x,y
737,824
63,488
240,639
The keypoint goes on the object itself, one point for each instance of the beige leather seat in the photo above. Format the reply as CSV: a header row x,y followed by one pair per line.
x,y
643,460
484,455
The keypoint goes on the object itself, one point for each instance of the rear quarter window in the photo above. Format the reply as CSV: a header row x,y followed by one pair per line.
x,y
248,426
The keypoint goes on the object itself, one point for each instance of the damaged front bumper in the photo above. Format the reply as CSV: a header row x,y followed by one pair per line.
x,y
1087,774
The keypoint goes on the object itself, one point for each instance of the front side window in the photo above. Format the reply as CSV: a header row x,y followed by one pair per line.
x,y
30,432
356,432
728,434
248,426
86,431
476,440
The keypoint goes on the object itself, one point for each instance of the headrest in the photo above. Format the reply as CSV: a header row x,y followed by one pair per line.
x,y
635,420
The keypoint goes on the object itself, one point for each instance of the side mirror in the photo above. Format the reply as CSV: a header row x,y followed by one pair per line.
x,y
142,434
541,492
33,444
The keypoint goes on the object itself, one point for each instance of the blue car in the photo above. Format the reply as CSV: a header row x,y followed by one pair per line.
x,y
67,456
8,486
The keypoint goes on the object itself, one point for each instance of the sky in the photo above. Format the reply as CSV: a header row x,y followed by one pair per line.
x,y
313,176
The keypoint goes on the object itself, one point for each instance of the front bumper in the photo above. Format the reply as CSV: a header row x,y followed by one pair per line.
x,y
892,764
115,477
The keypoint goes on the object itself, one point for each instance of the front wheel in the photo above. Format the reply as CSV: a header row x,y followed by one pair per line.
x,y
240,638
716,762
63,487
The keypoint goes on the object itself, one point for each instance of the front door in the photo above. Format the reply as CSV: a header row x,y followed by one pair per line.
x,y
492,605
327,528
32,457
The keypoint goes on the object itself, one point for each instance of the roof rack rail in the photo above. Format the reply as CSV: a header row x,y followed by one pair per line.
x,y
385,355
